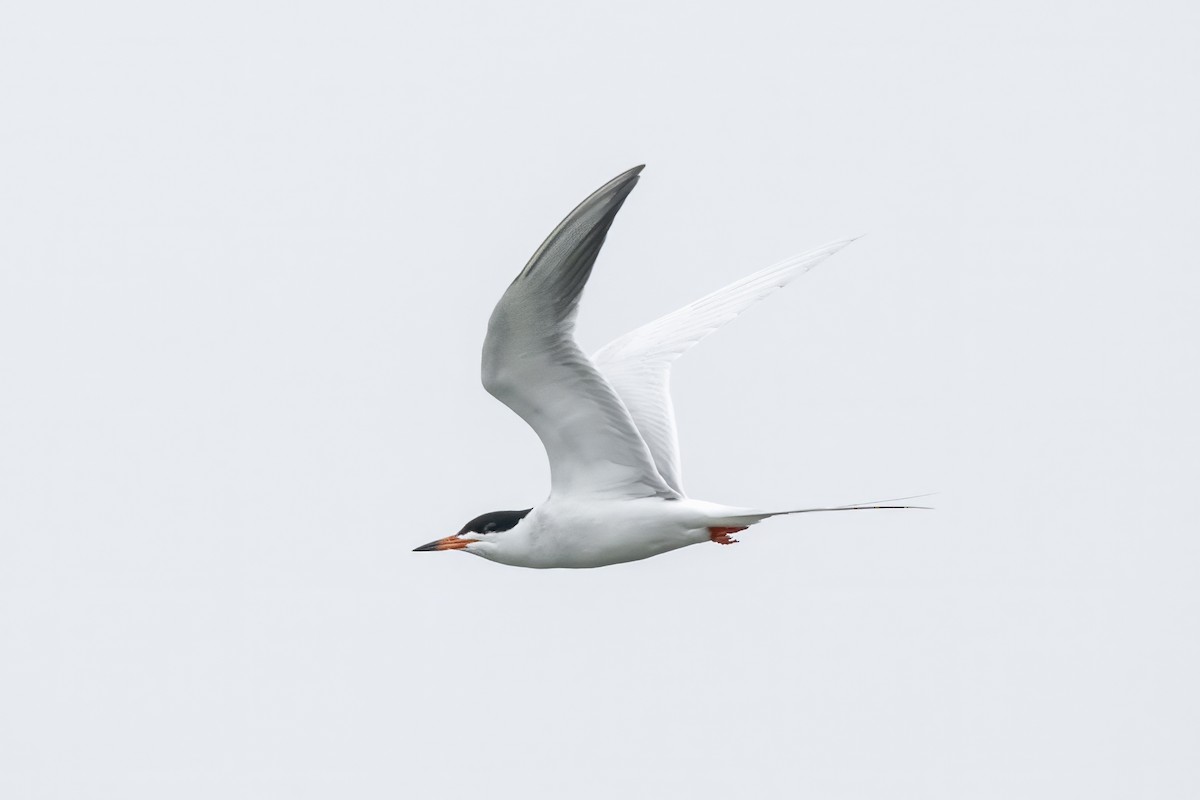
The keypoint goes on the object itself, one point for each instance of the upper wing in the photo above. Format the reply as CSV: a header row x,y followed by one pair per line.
x,y
532,364
638,364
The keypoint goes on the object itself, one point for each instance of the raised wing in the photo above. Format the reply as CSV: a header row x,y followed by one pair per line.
x,y
638,364
532,364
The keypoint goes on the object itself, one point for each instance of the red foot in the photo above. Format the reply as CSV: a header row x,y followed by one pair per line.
x,y
721,535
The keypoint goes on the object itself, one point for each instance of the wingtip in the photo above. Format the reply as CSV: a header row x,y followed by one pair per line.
x,y
833,247
620,186
591,218
629,174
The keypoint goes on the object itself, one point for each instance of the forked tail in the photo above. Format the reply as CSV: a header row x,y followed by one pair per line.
x,y
750,518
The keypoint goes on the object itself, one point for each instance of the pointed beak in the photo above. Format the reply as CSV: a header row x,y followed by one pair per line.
x,y
449,543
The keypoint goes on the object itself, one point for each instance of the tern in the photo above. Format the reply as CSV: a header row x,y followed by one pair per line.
x,y
606,422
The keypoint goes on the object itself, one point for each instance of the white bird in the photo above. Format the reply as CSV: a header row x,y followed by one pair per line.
x,y
606,422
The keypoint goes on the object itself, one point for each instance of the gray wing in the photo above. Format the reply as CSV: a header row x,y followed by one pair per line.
x,y
532,364
638,364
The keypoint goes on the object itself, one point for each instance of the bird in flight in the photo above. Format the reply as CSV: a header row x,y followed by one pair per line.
x,y
607,423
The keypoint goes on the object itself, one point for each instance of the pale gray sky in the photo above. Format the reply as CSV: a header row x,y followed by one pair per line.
x,y
247,257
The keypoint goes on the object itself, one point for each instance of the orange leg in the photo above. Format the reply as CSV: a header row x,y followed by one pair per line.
x,y
721,535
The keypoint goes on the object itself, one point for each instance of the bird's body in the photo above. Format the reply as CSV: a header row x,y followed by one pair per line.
x,y
597,532
607,421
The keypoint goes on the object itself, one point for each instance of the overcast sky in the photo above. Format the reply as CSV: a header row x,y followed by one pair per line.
x,y
247,256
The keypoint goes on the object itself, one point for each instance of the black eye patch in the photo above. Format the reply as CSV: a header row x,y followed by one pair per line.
x,y
494,522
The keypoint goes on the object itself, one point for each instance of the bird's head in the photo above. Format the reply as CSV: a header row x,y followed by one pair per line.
x,y
479,535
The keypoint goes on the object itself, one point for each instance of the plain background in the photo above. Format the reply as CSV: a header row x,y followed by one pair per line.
x,y
248,254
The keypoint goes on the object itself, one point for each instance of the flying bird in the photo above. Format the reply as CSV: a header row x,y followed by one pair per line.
x,y
606,422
